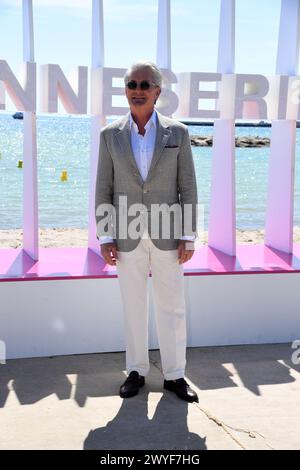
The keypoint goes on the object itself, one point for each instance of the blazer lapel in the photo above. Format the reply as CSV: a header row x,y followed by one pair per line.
x,y
124,139
162,137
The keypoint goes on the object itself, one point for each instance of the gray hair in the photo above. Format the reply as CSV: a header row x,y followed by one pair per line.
x,y
142,65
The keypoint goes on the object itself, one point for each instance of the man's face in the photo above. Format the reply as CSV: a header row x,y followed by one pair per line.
x,y
142,99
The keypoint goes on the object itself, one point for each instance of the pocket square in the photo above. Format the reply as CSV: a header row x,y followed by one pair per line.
x,y
171,147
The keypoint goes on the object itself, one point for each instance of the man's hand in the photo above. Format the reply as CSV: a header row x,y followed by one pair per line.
x,y
109,253
186,250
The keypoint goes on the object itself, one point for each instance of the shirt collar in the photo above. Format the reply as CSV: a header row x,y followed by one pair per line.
x,y
151,122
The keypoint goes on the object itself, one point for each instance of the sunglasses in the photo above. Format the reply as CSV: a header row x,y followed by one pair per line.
x,y
143,85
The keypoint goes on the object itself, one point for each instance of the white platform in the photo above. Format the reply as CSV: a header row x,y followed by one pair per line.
x,y
44,318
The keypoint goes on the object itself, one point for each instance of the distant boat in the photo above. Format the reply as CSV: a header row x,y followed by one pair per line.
x,y
18,115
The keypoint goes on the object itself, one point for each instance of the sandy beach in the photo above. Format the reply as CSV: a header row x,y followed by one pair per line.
x,y
72,237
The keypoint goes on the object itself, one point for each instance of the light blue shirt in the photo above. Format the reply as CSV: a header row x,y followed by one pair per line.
x,y
143,145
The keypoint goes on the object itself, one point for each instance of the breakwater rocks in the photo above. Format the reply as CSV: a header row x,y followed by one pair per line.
x,y
245,141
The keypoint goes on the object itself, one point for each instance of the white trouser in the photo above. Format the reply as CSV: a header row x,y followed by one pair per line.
x,y
168,291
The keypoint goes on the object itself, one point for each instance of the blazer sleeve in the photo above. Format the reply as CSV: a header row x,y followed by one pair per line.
x,y
187,187
104,210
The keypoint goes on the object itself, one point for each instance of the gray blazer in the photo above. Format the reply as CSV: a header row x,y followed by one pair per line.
x,y
171,180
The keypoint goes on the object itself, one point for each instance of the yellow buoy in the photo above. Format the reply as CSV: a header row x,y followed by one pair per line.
x,y
64,175
20,164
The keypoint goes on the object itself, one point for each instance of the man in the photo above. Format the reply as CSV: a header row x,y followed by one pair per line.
x,y
145,159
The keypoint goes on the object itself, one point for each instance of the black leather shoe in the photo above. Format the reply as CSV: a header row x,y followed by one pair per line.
x,y
182,390
132,385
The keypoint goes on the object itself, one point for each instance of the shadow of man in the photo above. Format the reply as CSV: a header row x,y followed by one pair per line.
x,y
131,429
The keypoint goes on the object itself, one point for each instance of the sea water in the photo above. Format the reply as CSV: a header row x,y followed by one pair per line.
x,y
63,143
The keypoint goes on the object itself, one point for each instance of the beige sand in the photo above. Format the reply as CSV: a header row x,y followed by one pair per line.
x,y
63,237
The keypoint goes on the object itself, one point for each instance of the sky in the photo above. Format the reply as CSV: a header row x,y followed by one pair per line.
x,y
62,33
